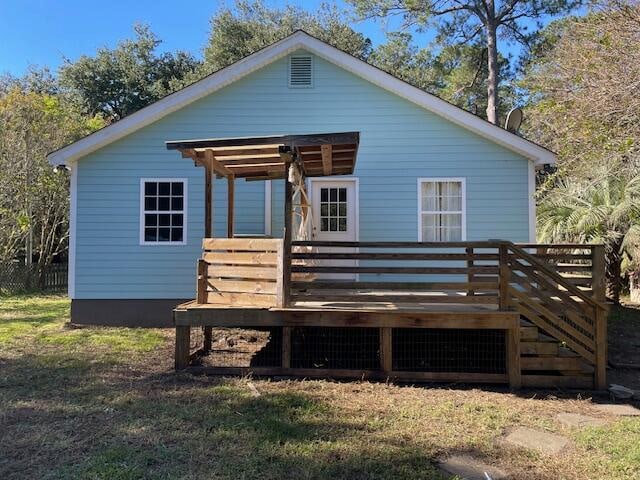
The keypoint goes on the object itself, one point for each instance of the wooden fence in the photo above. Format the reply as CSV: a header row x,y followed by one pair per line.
x,y
20,278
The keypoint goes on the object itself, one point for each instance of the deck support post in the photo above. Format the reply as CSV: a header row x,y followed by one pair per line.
x,y
470,276
183,345
505,276
286,347
208,233
598,287
514,372
386,352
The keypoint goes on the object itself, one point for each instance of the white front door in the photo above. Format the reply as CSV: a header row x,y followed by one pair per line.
x,y
334,218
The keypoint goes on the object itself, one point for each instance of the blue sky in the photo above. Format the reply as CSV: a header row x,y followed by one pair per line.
x,y
43,32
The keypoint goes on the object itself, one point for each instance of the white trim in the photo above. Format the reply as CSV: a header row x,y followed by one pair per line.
x,y
267,208
356,182
532,202
296,41
463,181
73,222
185,208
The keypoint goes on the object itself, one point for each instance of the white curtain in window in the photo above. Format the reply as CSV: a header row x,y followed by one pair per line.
x,y
441,211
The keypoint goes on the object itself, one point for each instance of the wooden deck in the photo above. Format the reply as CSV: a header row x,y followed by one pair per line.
x,y
537,308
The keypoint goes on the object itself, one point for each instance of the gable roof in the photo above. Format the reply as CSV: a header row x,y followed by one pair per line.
x,y
296,41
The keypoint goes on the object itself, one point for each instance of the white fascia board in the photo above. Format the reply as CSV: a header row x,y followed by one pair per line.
x,y
299,40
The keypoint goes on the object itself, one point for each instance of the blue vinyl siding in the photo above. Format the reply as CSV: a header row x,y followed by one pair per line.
x,y
399,142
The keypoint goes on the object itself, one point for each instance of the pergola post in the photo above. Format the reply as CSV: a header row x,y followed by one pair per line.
x,y
230,204
208,203
207,332
287,234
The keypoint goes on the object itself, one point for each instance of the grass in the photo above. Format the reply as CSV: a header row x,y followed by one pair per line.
x,y
104,403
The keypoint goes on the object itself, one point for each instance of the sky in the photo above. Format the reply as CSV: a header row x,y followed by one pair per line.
x,y
44,32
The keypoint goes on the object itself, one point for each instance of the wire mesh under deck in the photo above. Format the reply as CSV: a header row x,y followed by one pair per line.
x,y
438,350
359,348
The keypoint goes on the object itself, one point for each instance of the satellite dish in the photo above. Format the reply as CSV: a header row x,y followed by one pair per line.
x,y
514,119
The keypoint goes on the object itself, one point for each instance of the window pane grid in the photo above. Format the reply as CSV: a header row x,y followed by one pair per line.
x,y
333,209
441,210
163,212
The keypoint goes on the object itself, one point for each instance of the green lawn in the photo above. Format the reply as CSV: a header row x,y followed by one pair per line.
x,y
104,403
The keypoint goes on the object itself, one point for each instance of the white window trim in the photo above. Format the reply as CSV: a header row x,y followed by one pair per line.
x,y
302,55
184,211
463,181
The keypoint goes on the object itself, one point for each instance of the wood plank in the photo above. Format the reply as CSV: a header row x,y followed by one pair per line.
x,y
559,381
247,299
505,275
421,245
182,347
390,256
426,299
552,363
601,348
408,286
241,286
397,270
279,274
241,244
528,333
443,377
241,258
226,316
539,348
248,272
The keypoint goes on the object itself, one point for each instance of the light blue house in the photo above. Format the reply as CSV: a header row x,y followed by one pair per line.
x,y
426,171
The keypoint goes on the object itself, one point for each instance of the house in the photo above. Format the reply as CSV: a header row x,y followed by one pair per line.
x,y
427,172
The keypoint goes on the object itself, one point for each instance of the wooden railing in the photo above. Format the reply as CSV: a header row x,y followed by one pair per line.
x,y
555,304
396,272
241,271
559,288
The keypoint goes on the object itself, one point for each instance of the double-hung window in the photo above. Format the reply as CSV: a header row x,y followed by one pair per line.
x,y
441,209
163,211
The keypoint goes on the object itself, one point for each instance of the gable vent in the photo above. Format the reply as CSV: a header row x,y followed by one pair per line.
x,y
300,71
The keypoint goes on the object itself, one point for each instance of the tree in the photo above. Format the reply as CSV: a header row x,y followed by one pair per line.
x,y
583,91
34,200
238,33
606,210
464,21
117,82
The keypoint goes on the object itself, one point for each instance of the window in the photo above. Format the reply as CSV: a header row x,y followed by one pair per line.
x,y
333,209
300,71
441,210
163,211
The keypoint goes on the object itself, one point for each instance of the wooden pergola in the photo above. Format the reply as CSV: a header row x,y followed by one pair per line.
x,y
268,158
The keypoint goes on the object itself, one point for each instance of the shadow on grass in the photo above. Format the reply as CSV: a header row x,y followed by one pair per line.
x,y
73,418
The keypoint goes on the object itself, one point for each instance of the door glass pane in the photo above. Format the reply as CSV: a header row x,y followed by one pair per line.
x,y
333,209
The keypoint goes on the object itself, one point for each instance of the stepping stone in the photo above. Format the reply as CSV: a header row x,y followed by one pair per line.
x,y
468,468
618,409
577,420
543,442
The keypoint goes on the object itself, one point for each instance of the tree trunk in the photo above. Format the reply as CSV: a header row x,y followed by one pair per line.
x,y
613,267
492,64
